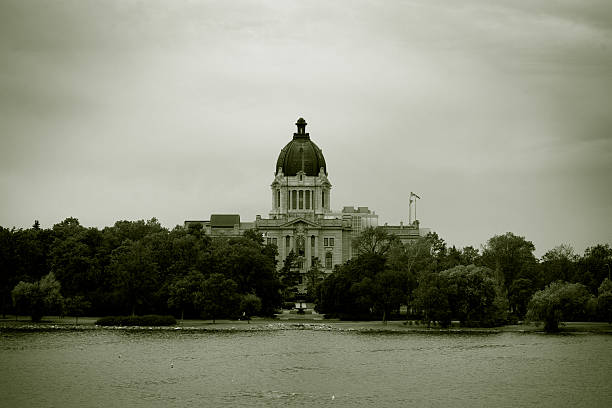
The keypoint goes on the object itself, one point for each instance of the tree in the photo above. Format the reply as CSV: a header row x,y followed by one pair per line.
x,y
76,306
218,297
557,302
182,291
250,305
425,253
288,276
432,298
467,293
511,257
475,296
469,255
559,263
389,291
314,276
38,298
593,266
254,236
373,240
604,300
134,273
520,293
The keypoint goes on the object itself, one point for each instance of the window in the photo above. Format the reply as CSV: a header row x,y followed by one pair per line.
x,y
288,243
328,242
307,199
301,199
293,199
278,198
323,199
312,243
271,241
328,260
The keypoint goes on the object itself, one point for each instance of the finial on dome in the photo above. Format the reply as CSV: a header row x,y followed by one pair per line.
x,y
301,125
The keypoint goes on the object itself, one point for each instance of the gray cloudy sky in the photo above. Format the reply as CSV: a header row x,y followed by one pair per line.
x,y
498,115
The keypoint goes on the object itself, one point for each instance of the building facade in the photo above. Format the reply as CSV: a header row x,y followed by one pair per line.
x,y
301,219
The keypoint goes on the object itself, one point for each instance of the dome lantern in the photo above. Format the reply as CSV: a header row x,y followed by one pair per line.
x,y
301,128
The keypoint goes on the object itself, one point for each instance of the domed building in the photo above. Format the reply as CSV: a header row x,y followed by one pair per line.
x,y
301,219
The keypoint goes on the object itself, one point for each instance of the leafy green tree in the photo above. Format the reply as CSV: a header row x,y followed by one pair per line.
x,y
467,293
254,236
511,257
195,229
72,259
559,301
134,272
425,254
373,240
314,276
136,230
289,276
251,265
604,300
8,267
38,298
474,295
218,297
520,293
76,306
250,305
560,263
183,290
432,298
593,266
389,291
469,255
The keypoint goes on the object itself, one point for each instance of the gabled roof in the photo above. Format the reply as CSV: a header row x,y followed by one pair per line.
x,y
297,220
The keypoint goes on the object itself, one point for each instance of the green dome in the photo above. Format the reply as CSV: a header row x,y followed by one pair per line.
x,y
301,154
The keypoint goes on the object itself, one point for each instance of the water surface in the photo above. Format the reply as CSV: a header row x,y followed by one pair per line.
x,y
303,368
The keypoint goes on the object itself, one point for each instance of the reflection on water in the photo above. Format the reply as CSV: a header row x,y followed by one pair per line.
x,y
303,368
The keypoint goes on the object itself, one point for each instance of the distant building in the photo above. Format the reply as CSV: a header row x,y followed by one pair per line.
x,y
301,218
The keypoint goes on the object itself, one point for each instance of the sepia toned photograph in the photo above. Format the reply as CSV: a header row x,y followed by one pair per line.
x,y
266,203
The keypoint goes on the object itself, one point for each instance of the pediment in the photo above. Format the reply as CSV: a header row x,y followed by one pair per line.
x,y
294,222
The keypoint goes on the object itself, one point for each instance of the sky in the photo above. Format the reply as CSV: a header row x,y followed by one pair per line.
x,y
497,114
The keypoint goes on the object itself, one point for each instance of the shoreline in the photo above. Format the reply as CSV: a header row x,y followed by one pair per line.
x,y
269,324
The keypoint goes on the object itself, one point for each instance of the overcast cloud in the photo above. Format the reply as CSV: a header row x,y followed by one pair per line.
x,y
498,116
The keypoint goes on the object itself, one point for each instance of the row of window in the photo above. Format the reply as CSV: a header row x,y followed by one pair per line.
x,y
300,199
327,241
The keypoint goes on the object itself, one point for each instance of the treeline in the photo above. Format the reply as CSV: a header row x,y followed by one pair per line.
x,y
135,267
499,283
140,268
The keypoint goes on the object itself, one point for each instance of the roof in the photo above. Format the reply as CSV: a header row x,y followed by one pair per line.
x,y
224,220
301,154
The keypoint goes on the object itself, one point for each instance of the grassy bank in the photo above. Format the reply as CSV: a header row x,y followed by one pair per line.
x,y
303,323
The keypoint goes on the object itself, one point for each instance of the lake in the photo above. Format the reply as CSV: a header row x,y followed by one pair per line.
x,y
183,368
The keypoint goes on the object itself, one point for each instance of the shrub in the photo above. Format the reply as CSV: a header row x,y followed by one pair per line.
x,y
148,320
558,301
